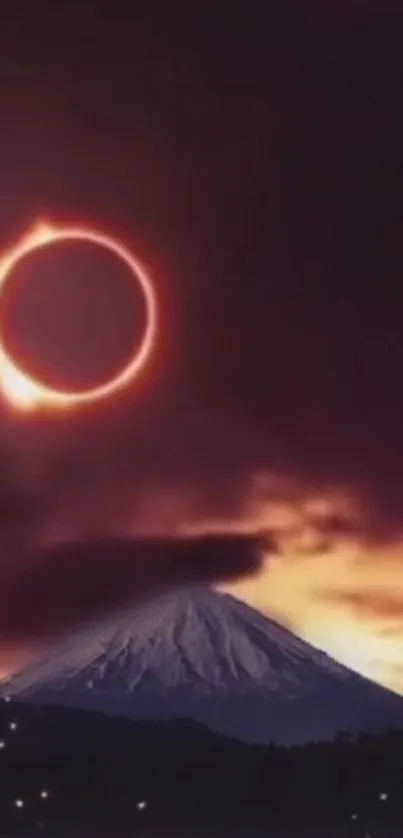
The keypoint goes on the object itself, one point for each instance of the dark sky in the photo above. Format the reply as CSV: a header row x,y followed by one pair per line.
x,y
251,155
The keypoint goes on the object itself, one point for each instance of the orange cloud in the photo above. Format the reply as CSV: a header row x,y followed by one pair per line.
x,y
329,580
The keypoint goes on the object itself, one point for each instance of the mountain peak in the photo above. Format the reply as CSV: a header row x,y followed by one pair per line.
x,y
206,656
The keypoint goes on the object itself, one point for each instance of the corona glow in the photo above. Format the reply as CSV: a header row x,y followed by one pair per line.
x,y
26,392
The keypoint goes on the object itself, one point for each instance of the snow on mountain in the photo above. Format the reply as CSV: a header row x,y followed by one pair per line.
x,y
207,657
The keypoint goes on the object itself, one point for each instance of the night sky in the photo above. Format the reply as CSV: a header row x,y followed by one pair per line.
x,y
251,156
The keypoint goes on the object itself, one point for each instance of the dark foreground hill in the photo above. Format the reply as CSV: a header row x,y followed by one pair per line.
x,y
114,778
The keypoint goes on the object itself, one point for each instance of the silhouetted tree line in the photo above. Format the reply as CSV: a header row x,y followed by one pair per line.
x,y
113,777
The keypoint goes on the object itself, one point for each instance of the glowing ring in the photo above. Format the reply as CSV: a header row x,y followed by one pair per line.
x,y
27,392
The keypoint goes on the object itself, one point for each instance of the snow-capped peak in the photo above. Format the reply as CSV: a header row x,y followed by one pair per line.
x,y
194,637
205,656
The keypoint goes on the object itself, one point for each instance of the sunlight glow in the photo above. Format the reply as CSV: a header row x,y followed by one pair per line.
x,y
27,393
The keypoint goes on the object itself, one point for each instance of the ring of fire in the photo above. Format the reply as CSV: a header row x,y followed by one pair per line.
x,y
26,392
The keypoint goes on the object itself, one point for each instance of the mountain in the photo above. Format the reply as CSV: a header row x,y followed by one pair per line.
x,y
205,656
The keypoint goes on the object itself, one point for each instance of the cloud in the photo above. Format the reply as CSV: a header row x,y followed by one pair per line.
x,y
369,604
70,584
334,577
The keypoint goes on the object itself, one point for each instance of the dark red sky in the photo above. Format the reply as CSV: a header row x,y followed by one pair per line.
x,y
253,159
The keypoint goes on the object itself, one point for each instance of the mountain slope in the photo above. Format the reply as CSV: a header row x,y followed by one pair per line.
x,y
207,657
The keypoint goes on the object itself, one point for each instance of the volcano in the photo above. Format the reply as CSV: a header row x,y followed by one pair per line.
x,y
206,657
